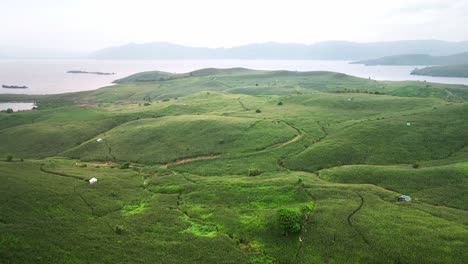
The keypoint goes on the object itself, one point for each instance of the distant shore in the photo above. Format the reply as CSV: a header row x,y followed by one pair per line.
x,y
14,87
86,72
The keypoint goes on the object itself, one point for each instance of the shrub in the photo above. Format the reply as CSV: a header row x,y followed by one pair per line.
x,y
280,103
253,172
289,221
124,165
22,160
83,165
119,230
415,166
9,111
166,100
258,111
9,158
146,104
307,209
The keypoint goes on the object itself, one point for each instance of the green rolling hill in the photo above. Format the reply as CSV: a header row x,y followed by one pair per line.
x,y
196,167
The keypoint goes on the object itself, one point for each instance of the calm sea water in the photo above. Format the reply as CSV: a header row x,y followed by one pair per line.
x,y
50,77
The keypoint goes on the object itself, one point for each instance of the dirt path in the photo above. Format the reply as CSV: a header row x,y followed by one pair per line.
x,y
61,174
185,160
350,223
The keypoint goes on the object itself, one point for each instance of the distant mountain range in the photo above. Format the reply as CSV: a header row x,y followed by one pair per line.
x,y
418,59
330,50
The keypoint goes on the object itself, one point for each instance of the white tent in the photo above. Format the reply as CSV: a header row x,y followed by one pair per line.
x,y
99,140
92,180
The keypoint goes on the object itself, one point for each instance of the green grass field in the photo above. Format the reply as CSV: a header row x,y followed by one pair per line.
x,y
193,168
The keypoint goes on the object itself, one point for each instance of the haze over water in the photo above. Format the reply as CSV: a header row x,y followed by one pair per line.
x,y
50,77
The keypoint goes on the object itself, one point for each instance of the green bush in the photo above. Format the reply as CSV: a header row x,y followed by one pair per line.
x,y
253,172
258,111
119,230
124,165
9,158
280,103
289,221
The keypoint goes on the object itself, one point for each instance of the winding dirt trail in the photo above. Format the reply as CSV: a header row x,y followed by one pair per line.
x,y
350,223
185,160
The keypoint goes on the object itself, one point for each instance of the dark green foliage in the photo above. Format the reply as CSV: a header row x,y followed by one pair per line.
x,y
280,103
258,111
289,221
9,111
253,172
9,158
119,230
124,165
146,104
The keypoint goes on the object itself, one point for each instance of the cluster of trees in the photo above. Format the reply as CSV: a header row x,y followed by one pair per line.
x,y
346,90
8,111
9,158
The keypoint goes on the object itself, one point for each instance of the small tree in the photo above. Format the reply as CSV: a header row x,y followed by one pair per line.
x,y
280,103
9,111
9,158
289,221
258,111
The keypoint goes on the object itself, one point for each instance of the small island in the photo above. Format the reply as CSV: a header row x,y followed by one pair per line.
x,y
86,72
460,71
14,87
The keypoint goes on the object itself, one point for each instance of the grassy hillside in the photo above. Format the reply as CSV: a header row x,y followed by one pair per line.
x,y
196,167
444,71
170,138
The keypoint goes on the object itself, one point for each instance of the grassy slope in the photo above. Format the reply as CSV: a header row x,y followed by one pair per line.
x,y
167,139
208,210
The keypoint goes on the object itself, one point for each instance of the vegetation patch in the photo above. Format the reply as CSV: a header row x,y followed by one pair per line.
x,y
134,208
199,229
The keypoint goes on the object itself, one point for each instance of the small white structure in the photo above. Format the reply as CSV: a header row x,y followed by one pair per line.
x,y
99,140
92,180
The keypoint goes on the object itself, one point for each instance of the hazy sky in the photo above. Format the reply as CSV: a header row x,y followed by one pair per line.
x,y
94,24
